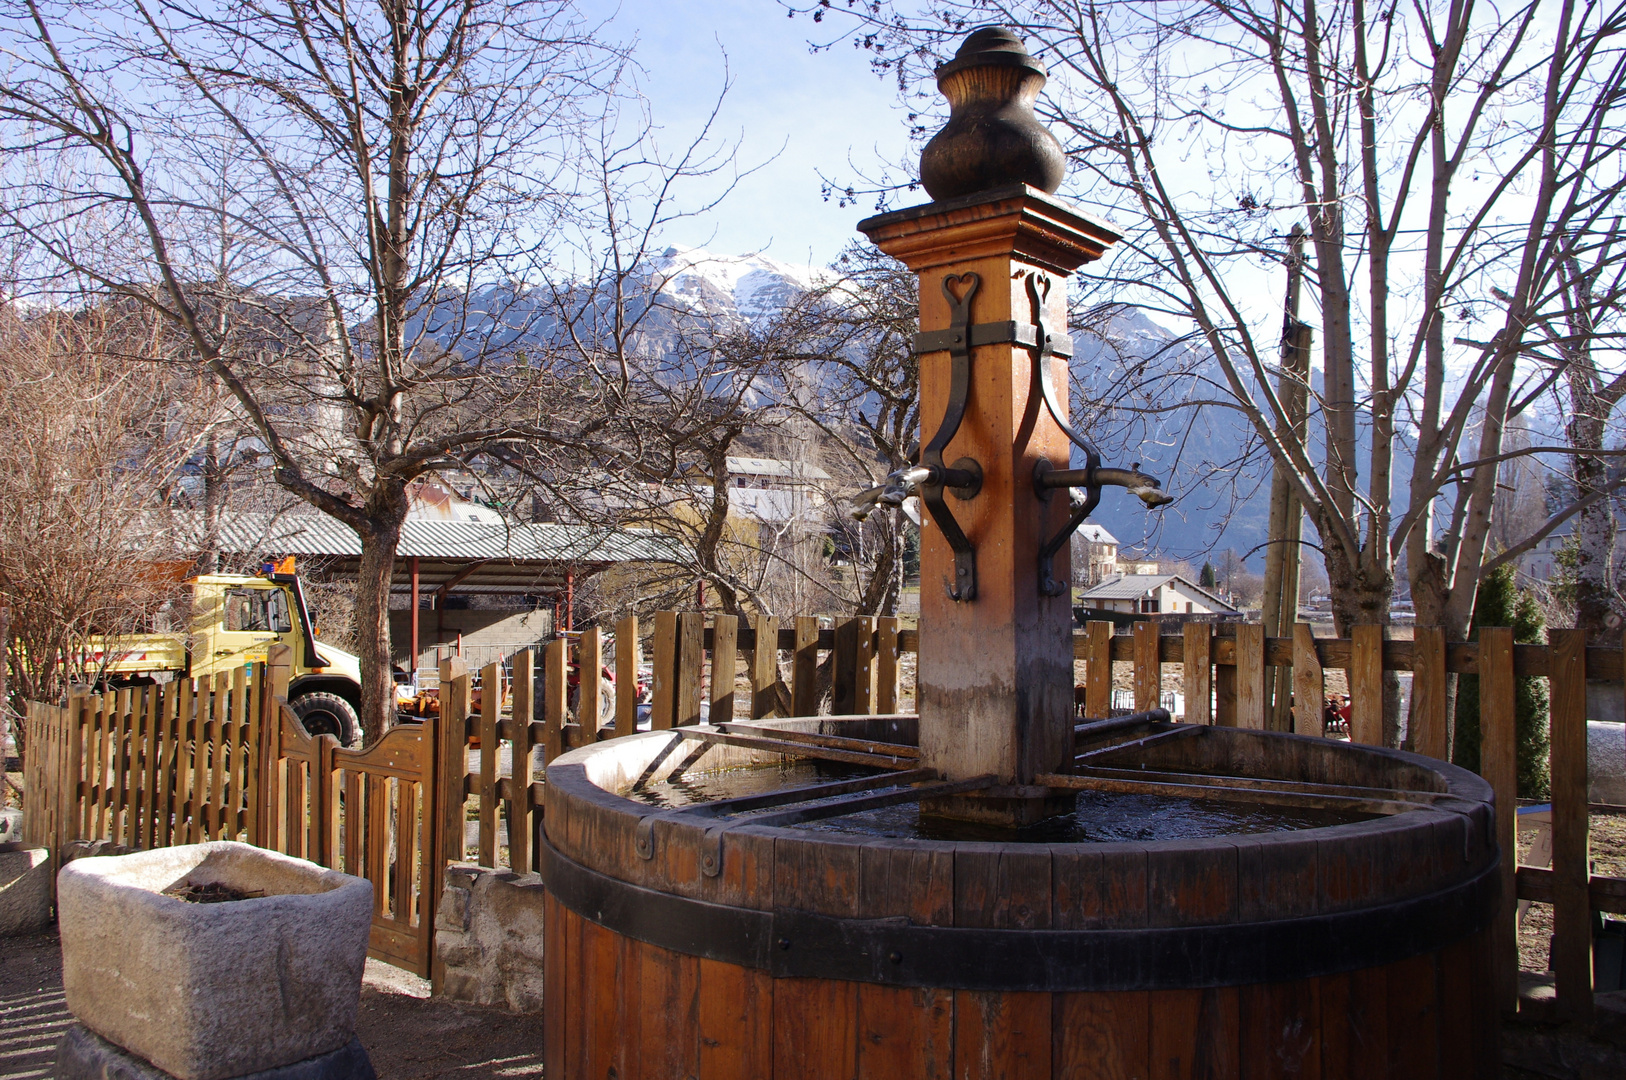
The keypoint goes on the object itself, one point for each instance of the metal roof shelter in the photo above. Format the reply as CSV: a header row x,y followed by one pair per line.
x,y
439,557
466,556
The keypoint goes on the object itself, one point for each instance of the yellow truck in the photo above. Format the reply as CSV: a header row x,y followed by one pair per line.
x,y
234,620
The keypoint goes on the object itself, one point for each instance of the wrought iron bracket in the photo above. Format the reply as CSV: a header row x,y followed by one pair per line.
x,y
994,333
957,340
1039,286
1092,478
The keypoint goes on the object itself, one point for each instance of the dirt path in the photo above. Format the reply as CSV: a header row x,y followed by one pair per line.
x,y
408,1036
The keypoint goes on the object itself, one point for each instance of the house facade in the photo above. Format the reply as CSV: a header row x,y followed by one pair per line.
x,y
1151,595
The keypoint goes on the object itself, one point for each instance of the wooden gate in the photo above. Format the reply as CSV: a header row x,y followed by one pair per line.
x,y
369,813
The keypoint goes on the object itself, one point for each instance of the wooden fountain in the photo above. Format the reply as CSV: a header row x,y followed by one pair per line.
x,y
727,939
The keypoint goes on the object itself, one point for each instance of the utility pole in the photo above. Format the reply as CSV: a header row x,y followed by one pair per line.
x,y
1281,602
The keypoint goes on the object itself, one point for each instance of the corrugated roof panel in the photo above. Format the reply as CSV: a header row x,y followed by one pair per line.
x,y
467,540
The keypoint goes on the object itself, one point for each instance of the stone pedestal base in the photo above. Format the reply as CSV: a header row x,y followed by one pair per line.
x,y
84,1055
488,936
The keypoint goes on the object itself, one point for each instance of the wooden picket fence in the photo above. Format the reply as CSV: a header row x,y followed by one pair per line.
x,y
186,761
226,759
145,767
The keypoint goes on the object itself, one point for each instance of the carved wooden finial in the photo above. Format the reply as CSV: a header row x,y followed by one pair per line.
x,y
992,137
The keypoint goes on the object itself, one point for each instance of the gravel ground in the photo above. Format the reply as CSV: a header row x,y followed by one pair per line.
x,y
408,1036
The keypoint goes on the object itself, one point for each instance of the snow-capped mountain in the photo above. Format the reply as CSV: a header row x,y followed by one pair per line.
x,y
680,281
749,286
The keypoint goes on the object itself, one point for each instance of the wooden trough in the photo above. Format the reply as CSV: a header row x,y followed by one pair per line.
x,y
722,941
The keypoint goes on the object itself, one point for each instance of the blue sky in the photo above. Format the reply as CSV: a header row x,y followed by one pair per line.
x,y
823,110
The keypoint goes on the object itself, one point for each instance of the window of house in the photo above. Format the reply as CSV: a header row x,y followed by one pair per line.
x,y
1149,604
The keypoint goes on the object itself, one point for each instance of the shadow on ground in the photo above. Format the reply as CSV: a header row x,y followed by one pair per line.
x,y
408,1036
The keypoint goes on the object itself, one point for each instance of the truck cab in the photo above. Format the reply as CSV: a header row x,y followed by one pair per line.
x,y
235,619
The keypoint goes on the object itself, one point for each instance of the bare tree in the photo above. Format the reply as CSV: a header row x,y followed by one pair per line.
x,y
1580,346
87,446
865,399
388,162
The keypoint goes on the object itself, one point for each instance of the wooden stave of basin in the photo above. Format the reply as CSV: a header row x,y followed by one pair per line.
x,y
657,998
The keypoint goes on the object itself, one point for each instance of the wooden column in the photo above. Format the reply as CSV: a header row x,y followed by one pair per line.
x,y
996,671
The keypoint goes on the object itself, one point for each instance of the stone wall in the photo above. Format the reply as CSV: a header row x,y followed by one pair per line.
x,y
488,933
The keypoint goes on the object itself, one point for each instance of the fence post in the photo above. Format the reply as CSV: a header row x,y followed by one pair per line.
x,y
764,667
844,662
1309,684
325,796
452,757
804,671
1148,674
1498,763
1427,728
690,652
1572,905
1198,672
119,825
78,792
521,809
556,660
141,726
89,821
169,747
590,662
627,660
1366,685
886,664
1097,670
249,745
724,666
273,678
663,695
451,766
490,710
1250,676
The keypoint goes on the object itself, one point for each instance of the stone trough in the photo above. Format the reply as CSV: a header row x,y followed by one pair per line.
x,y
265,987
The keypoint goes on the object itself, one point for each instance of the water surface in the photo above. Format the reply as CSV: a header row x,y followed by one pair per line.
x,y
1097,817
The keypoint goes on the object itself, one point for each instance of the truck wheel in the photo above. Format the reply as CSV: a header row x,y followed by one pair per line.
x,y
328,714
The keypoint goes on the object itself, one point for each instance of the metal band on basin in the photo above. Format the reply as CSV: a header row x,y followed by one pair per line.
x,y
896,952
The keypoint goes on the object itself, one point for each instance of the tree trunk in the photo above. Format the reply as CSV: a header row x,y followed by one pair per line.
x,y
880,596
214,500
1595,525
1361,595
388,507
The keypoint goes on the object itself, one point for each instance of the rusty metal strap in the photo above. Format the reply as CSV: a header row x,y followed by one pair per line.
x,y
1026,335
895,952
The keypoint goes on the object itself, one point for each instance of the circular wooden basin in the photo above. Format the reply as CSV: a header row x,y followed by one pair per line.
x,y
720,940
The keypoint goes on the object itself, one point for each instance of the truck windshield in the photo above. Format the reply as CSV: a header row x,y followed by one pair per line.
x,y
263,611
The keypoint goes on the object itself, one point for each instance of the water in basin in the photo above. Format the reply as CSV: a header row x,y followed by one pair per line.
x,y
1098,816
710,785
